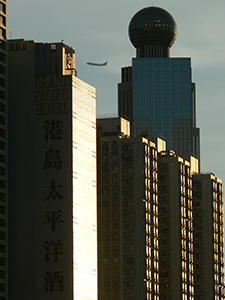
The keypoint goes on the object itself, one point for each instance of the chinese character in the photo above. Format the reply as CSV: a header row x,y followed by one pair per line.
x,y
53,218
54,129
52,159
54,281
54,249
53,192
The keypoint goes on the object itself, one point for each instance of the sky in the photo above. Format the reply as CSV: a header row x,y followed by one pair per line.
x,y
98,31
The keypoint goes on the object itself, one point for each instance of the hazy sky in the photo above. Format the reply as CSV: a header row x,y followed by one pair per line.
x,y
98,31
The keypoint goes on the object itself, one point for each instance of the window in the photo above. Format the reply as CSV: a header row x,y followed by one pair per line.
x,y
115,260
2,287
198,224
2,274
165,274
115,180
2,250
166,242
2,57
2,132
2,7
2,224
2,82
2,69
2,210
199,266
2,33
115,169
166,252
166,220
2,198
165,209
18,46
2,106
114,158
24,45
166,230
114,147
11,47
2,261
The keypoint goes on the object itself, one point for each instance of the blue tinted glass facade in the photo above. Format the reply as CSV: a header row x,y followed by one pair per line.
x,y
163,101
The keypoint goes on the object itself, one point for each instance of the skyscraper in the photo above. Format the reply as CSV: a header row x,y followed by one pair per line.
x,y
52,177
3,151
157,92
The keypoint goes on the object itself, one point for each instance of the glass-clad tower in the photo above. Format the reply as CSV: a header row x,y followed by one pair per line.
x,y
157,93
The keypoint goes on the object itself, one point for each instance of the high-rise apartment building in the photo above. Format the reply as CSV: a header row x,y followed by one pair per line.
x,y
157,92
208,237
3,152
176,226
128,258
52,175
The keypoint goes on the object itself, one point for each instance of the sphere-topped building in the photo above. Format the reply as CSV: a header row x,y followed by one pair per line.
x,y
152,31
157,93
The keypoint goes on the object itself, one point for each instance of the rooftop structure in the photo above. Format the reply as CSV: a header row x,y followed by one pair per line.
x,y
152,31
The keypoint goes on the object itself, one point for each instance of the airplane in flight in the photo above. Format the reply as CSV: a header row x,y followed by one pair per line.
x,y
97,64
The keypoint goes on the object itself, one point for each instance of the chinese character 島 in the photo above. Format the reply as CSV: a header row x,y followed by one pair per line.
x,y
52,159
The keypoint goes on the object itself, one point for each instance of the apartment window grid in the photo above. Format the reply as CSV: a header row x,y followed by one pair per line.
x,y
103,215
184,232
218,239
148,210
164,212
198,239
128,248
151,204
114,242
189,291
221,235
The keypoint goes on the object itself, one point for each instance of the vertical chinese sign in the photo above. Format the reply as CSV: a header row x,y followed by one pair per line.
x,y
53,212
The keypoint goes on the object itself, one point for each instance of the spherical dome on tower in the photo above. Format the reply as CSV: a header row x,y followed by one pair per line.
x,y
152,26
